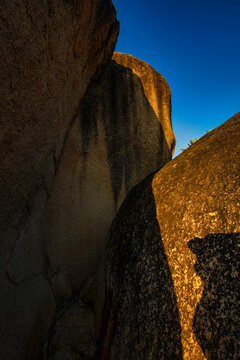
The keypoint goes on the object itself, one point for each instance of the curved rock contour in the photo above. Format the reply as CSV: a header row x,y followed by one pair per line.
x,y
122,132
157,91
173,258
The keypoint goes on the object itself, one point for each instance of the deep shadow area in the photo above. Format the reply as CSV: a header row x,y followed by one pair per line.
x,y
133,132
141,315
217,317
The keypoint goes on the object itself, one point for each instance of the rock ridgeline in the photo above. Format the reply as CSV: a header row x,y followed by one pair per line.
x,y
172,259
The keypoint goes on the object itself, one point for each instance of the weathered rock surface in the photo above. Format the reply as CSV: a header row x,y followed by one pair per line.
x,y
173,258
122,132
73,334
158,94
50,52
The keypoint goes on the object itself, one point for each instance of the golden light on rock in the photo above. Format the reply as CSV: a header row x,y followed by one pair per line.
x,y
188,287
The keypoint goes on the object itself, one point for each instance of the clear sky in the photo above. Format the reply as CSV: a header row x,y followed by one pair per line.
x,y
195,45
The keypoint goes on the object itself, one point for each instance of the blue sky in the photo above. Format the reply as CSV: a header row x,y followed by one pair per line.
x,y
195,45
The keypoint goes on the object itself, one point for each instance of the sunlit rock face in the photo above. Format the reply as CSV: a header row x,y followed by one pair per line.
x,y
119,136
173,258
158,94
50,52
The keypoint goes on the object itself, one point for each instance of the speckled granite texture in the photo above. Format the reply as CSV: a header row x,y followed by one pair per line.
x,y
143,305
216,321
172,281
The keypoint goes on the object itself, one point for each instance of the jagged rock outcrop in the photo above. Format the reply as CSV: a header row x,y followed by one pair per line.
x,y
172,260
50,52
121,134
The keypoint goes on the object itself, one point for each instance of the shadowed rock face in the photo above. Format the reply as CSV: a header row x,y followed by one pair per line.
x,y
157,92
50,52
216,320
196,202
117,139
141,307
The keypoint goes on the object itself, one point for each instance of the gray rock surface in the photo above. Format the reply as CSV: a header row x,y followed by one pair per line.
x,y
172,285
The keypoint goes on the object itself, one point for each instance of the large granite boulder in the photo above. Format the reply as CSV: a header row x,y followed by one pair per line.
x,y
50,52
122,132
172,289
157,92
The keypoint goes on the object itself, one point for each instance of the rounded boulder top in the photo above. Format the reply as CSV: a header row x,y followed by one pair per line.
x,y
156,89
